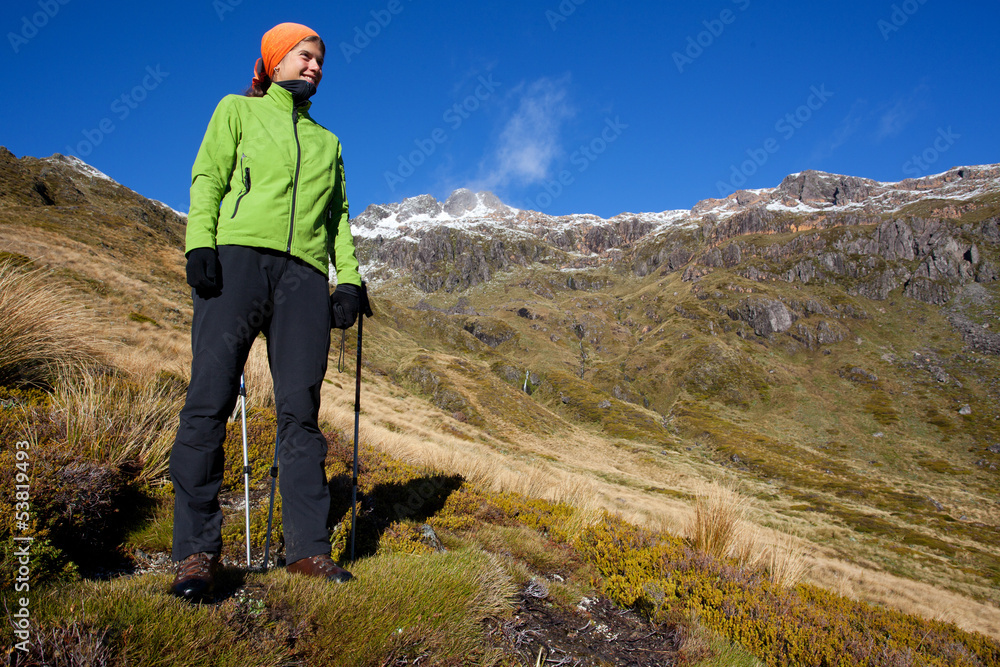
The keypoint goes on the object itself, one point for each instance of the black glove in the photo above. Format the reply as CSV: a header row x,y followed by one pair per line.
x,y
344,304
203,270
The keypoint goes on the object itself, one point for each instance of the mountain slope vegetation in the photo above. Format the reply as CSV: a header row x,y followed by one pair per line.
x,y
836,365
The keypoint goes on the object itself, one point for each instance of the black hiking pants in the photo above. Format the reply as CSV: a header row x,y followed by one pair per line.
x,y
270,292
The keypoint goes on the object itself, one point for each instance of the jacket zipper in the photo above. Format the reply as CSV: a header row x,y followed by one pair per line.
x,y
295,182
246,190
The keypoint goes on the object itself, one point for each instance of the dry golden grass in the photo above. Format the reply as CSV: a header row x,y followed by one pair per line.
x,y
257,377
869,584
116,419
43,332
747,548
124,285
779,554
147,351
719,515
785,561
413,432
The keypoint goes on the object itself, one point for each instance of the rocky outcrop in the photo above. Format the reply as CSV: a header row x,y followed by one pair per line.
x,y
819,187
451,260
927,258
422,205
823,333
766,316
490,330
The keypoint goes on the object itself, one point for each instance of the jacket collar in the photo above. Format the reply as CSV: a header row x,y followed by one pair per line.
x,y
283,98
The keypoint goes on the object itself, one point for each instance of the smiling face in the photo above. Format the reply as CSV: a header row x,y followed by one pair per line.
x,y
304,61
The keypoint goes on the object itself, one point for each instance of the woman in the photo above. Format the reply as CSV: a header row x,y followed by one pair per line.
x,y
268,214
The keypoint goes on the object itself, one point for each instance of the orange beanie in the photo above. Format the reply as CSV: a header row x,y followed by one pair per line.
x,y
275,44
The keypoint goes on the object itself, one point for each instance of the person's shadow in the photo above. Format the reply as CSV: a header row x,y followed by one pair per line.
x,y
415,500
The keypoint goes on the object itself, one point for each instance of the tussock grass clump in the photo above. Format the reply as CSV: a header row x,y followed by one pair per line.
x,y
784,561
43,333
117,420
721,528
717,523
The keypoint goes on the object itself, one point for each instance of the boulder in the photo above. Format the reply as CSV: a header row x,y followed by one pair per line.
x,y
766,316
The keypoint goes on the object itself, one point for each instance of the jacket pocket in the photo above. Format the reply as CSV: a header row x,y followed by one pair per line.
x,y
246,190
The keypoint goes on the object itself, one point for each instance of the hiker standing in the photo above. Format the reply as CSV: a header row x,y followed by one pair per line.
x,y
268,215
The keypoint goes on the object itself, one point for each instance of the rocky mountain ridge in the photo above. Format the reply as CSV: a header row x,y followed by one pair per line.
x,y
807,192
471,237
66,184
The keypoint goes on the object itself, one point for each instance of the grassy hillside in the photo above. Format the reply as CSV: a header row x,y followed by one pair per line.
x,y
537,447
875,446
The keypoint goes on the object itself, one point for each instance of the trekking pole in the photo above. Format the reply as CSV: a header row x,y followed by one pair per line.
x,y
246,461
270,506
364,309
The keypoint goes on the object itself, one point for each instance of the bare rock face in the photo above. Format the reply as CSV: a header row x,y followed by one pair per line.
x,y
460,202
894,241
766,316
818,187
422,205
824,333
493,203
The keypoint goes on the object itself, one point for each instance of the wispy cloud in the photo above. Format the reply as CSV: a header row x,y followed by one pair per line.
x,y
899,113
847,127
874,123
529,143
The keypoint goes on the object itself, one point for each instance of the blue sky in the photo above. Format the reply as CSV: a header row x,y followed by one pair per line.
x,y
564,106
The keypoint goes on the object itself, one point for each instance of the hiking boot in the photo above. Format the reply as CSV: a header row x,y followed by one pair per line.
x,y
195,577
320,566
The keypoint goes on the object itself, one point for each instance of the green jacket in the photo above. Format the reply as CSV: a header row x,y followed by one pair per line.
x,y
268,176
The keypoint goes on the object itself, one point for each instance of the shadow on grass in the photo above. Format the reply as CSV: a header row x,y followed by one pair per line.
x,y
416,500
228,581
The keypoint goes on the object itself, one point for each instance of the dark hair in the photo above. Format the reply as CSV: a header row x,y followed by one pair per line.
x,y
257,89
